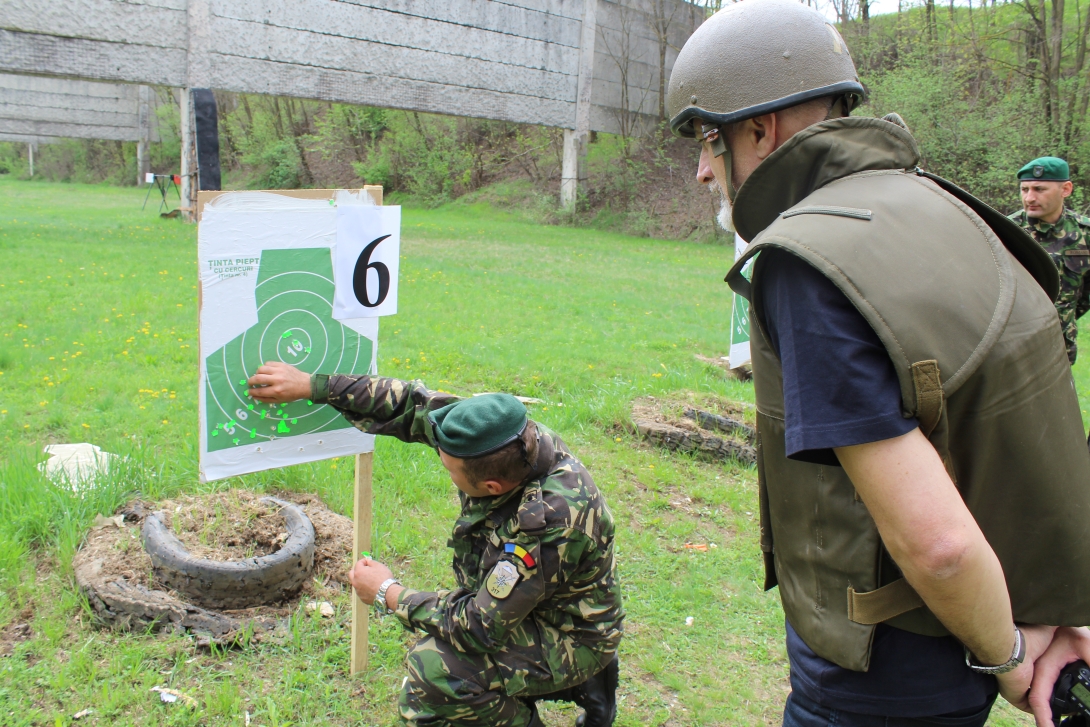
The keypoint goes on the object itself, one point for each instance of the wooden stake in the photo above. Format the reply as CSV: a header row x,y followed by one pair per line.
x,y
361,541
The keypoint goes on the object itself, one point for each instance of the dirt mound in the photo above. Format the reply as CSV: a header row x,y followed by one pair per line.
x,y
115,573
686,422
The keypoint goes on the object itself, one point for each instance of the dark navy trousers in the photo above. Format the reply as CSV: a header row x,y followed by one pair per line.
x,y
801,712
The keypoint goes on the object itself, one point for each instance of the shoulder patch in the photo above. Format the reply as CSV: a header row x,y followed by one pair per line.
x,y
501,581
521,553
531,513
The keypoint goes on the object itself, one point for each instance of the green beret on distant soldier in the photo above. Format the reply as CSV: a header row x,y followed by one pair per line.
x,y
537,613
1045,184
1048,169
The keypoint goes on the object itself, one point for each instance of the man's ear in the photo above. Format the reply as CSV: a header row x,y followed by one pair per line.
x,y
494,487
1067,189
764,130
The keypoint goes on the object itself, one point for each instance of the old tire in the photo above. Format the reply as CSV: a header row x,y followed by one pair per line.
x,y
234,583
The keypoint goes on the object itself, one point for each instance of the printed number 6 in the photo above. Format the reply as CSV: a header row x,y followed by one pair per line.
x,y
359,276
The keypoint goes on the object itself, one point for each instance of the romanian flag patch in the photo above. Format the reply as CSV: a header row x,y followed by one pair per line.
x,y
519,552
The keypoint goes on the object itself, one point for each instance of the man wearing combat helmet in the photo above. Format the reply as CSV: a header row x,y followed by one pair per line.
x,y
1045,183
922,468
537,614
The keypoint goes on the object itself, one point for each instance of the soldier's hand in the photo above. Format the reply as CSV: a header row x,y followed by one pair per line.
x,y
278,383
366,576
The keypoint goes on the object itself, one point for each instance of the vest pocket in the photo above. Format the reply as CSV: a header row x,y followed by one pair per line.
x,y
1077,260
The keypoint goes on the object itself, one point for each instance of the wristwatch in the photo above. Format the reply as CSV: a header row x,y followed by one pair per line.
x,y
1011,664
380,597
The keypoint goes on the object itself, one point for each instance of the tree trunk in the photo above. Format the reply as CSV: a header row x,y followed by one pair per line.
x,y
1057,59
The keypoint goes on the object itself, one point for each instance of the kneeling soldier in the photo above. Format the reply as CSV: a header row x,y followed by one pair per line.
x,y
537,613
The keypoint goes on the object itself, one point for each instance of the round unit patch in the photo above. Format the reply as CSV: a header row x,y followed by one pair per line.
x,y
501,581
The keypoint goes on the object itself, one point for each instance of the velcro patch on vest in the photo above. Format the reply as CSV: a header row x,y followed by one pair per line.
x,y
501,581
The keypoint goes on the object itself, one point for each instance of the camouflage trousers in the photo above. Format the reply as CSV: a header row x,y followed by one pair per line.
x,y
449,687
1071,304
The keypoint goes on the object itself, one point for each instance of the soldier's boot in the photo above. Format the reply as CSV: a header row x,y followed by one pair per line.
x,y
535,719
598,697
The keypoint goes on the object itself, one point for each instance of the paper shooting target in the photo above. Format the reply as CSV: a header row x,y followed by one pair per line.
x,y
294,296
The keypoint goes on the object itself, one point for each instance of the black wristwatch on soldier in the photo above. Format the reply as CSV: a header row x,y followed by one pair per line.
x,y
1011,664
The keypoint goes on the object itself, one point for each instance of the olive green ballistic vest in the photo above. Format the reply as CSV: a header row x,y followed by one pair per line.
x,y
977,347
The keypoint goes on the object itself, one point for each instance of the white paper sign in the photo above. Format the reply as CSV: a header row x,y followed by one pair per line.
x,y
739,323
366,261
267,289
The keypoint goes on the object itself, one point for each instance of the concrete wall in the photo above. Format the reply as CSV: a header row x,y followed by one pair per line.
x,y
42,109
514,60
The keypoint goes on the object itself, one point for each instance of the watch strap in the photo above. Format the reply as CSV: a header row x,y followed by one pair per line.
x,y
1017,656
380,597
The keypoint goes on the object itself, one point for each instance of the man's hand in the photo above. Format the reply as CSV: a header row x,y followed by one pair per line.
x,y
1015,685
278,383
366,576
1068,645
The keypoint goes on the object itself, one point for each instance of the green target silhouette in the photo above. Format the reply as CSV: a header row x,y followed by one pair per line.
x,y
294,295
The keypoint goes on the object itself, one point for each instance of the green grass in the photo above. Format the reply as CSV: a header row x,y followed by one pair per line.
x,y
99,344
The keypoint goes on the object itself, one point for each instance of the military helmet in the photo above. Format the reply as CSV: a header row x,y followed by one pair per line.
x,y
756,57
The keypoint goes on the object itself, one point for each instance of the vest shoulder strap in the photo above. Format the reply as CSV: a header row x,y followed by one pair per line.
x,y
929,397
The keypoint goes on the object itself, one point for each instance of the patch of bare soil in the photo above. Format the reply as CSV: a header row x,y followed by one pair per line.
x,y
703,424
16,632
115,572
742,373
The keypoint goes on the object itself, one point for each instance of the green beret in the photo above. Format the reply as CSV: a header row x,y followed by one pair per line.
x,y
479,425
1048,169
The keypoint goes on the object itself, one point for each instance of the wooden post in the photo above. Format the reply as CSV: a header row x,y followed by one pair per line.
x,y
361,541
361,535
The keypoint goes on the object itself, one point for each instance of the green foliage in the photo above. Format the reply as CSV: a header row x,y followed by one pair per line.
x,y
280,162
977,142
981,91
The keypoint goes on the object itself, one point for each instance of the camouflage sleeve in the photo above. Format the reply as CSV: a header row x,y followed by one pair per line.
x,y
379,405
482,622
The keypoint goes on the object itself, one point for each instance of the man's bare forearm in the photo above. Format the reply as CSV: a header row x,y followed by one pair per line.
x,y
935,540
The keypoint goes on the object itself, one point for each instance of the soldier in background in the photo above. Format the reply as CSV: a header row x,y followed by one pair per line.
x,y
537,614
1045,183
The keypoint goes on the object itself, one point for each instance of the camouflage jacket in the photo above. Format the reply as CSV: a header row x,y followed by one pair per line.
x,y
1067,240
567,593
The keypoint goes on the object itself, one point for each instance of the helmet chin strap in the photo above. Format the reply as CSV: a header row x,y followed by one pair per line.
x,y
717,142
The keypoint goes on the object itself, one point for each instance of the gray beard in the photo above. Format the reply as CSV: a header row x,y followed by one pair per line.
x,y
723,216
